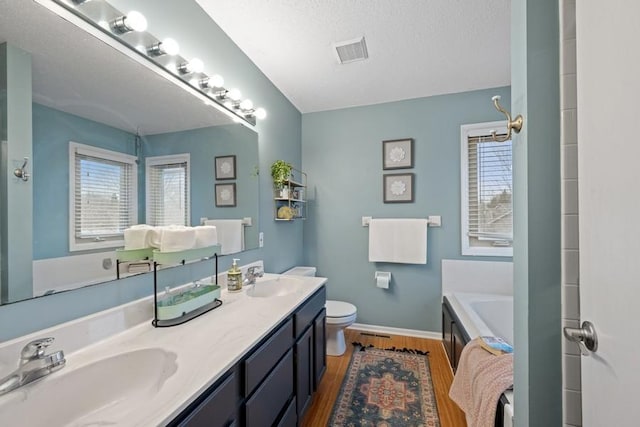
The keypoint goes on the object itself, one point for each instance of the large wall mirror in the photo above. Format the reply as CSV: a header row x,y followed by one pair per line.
x,y
86,92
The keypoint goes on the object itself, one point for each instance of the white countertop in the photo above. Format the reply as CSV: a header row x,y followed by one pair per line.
x,y
205,348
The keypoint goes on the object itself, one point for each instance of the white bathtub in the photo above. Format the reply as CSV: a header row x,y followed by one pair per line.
x,y
486,314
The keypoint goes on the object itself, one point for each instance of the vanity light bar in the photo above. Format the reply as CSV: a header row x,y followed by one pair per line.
x,y
208,88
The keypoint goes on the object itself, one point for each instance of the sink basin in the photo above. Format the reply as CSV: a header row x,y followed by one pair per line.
x,y
278,287
89,395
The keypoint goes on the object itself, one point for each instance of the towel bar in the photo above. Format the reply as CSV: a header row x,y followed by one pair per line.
x,y
432,221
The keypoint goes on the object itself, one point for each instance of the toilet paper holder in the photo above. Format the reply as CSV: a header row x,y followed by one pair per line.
x,y
382,278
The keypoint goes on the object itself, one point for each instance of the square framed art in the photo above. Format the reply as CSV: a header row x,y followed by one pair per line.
x,y
225,167
397,154
225,195
397,187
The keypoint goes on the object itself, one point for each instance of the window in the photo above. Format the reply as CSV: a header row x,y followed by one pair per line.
x,y
167,187
103,197
487,209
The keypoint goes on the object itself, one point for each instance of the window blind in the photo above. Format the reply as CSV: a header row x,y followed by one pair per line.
x,y
490,191
168,190
104,197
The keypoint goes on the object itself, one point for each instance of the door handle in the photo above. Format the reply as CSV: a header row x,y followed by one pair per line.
x,y
585,336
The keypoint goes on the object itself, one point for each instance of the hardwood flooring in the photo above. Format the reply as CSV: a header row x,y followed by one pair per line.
x,y
320,411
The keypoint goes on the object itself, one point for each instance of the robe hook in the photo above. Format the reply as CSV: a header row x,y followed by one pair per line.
x,y
21,172
515,124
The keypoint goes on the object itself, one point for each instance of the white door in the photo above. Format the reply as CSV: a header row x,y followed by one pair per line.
x,y
608,67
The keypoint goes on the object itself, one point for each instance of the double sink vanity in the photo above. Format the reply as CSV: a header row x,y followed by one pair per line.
x,y
255,361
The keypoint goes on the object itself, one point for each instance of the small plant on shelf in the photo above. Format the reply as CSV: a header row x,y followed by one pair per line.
x,y
280,172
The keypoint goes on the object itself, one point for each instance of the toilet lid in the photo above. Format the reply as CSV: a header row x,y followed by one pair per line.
x,y
339,309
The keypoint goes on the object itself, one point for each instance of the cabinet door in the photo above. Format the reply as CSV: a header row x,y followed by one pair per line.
x,y
319,348
304,371
447,336
458,344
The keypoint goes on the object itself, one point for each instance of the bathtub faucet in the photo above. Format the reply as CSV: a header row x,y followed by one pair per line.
x,y
34,363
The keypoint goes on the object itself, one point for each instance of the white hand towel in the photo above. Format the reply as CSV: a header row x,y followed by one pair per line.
x,y
137,236
230,234
206,235
177,238
400,240
155,237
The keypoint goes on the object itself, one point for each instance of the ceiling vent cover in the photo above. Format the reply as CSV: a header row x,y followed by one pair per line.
x,y
351,50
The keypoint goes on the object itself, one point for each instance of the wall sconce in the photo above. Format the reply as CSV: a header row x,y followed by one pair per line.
x,y
133,21
167,46
193,66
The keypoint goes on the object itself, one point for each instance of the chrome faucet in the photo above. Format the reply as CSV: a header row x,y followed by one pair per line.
x,y
253,273
34,363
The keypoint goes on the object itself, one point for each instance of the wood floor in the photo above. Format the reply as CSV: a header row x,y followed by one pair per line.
x,y
320,411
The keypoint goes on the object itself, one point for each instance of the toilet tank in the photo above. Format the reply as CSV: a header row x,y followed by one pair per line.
x,y
301,271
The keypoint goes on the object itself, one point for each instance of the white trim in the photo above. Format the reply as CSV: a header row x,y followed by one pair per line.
x,y
466,131
76,147
165,160
397,331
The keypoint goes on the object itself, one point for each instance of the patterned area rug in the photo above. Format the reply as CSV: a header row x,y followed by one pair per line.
x,y
386,388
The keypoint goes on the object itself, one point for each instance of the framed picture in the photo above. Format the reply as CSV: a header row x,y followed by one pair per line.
x,y
397,187
226,167
397,154
225,195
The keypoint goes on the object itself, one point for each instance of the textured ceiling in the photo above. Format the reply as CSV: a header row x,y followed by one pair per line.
x,y
416,48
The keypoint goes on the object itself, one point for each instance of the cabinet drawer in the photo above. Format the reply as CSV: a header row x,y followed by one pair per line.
x,y
305,314
271,397
258,365
289,419
218,408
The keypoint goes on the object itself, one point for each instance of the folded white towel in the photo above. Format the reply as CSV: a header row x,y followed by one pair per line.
x,y
401,240
177,238
137,236
154,239
206,235
230,234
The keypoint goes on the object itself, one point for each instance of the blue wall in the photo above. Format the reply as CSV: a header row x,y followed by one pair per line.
x,y
342,153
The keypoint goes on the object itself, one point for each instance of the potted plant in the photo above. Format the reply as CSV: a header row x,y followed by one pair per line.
x,y
280,172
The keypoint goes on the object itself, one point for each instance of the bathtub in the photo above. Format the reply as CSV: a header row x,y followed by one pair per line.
x,y
486,314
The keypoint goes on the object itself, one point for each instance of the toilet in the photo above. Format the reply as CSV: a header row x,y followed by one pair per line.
x,y
340,315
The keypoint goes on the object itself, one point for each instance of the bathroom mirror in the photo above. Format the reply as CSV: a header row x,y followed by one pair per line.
x,y
90,93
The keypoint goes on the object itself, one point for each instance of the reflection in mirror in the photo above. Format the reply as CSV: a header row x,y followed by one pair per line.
x,y
89,93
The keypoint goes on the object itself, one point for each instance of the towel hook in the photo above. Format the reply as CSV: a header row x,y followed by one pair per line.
x,y
515,124
21,172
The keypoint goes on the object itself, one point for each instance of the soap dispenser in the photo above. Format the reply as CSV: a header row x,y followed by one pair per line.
x,y
234,277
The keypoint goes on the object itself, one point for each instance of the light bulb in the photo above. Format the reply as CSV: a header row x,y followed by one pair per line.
x,y
260,113
170,46
216,81
193,66
234,94
136,21
229,104
246,105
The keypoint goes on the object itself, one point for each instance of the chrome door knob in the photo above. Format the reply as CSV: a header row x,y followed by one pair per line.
x,y
585,337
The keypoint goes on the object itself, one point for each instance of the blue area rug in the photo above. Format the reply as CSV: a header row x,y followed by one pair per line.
x,y
386,388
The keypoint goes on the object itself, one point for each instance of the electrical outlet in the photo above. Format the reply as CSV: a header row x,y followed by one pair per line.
x,y
261,239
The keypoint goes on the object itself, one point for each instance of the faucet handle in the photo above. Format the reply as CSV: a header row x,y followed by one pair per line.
x,y
256,271
35,349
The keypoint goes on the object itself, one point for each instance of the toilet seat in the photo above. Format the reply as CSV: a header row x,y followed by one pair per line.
x,y
339,309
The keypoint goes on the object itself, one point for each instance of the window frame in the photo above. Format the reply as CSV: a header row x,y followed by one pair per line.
x,y
75,147
166,160
467,131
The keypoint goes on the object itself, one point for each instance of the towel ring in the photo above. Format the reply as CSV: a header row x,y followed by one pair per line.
x,y
515,124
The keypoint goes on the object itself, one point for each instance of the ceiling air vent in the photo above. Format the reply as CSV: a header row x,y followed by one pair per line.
x,y
351,50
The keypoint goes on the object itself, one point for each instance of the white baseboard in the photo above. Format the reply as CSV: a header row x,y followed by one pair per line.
x,y
397,331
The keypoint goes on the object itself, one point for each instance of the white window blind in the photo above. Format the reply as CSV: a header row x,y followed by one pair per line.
x,y
167,187
103,200
487,194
